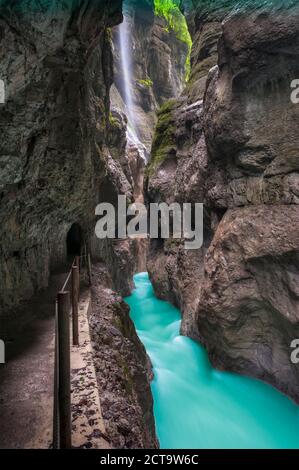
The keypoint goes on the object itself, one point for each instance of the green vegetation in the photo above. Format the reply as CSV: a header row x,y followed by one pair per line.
x,y
147,82
170,10
114,121
166,108
164,139
108,32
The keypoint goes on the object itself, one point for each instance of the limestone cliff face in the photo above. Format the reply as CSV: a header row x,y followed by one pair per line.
x,y
250,127
56,63
179,169
238,294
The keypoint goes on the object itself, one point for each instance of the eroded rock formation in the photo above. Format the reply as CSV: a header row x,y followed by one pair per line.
x,y
179,169
236,151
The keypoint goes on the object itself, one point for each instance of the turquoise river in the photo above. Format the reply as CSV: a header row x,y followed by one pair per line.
x,y
195,406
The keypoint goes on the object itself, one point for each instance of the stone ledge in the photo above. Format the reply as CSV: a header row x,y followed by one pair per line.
x,y
88,429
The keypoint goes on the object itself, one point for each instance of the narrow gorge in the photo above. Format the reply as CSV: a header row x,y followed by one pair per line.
x,y
163,102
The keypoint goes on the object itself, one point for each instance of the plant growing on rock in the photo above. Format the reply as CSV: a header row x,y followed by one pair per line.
x,y
170,10
147,82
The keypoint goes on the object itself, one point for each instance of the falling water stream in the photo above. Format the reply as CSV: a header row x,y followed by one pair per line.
x,y
125,50
126,64
196,406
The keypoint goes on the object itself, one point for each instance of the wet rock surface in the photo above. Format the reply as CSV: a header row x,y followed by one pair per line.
x,y
122,367
56,63
247,315
235,152
64,150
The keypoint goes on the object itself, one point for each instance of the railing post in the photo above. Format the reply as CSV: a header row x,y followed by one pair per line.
x,y
89,269
75,298
64,393
56,382
77,262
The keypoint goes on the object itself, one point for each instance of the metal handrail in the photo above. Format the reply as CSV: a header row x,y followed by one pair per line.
x,y
74,263
62,369
59,439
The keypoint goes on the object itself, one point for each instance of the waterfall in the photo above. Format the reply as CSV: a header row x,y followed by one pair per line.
x,y
125,49
126,64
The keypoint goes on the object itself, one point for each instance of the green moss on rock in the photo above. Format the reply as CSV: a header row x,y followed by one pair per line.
x,y
176,21
164,138
114,122
147,82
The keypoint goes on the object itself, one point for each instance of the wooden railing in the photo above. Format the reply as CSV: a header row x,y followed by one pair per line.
x,y
67,299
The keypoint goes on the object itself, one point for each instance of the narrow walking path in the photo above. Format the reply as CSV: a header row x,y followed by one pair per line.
x,y
26,380
88,428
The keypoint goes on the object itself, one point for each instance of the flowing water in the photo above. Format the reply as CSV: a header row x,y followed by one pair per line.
x,y
127,79
126,64
196,406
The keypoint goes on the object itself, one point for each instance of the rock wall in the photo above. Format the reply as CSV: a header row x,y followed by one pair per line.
x,y
56,62
233,145
250,127
178,171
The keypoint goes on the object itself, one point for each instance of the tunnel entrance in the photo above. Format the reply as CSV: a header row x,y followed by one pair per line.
x,y
74,241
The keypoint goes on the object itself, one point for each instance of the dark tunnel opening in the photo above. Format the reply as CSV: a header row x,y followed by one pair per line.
x,y
74,241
